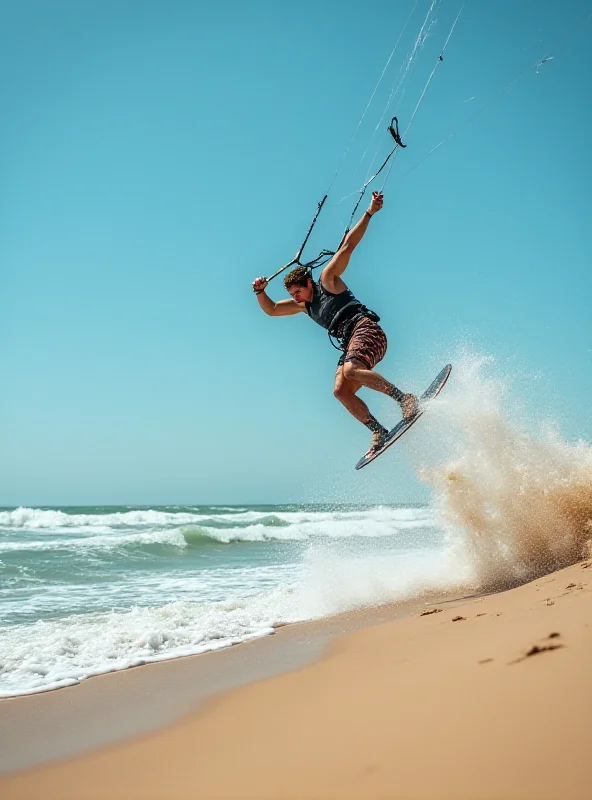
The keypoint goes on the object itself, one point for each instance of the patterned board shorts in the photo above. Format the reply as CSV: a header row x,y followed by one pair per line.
x,y
366,344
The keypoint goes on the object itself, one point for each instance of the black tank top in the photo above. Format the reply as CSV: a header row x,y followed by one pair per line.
x,y
325,305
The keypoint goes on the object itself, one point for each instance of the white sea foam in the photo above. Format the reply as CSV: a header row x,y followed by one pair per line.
x,y
254,526
99,542
35,518
146,588
55,653
331,527
60,521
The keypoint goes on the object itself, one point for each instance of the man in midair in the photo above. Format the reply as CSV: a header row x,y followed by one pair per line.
x,y
332,305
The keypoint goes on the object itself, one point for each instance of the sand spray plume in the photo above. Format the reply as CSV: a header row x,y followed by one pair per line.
x,y
517,506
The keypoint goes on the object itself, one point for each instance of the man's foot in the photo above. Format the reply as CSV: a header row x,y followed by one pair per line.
x,y
378,439
409,406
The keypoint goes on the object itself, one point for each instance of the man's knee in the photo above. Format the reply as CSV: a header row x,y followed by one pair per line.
x,y
340,390
344,388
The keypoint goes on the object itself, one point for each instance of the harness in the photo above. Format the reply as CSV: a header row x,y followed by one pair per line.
x,y
343,324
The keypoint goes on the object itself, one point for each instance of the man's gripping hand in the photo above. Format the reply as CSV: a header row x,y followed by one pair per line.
x,y
259,285
375,203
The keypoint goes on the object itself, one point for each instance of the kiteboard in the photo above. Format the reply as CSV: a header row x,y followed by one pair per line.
x,y
432,391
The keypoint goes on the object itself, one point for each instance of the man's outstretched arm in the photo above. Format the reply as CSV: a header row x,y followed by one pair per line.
x,y
340,260
280,309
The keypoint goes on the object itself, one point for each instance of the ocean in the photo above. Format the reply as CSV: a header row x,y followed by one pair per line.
x,y
90,590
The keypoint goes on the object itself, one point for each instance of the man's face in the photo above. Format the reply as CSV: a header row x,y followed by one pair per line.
x,y
301,294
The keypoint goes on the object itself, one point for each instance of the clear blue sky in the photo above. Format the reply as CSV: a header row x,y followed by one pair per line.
x,y
156,157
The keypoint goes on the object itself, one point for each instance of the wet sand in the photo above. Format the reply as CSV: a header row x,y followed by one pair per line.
x,y
485,698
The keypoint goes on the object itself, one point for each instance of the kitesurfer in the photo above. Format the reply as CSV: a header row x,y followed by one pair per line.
x,y
332,305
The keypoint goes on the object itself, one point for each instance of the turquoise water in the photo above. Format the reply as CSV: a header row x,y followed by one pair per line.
x,y
93,589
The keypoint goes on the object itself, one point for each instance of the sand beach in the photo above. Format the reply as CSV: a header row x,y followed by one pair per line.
x,y
481,697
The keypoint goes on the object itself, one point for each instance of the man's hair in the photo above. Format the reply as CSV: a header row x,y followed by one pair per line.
x,y
297,277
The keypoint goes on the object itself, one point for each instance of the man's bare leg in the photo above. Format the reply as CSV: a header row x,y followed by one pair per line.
x,y
345,391
356,372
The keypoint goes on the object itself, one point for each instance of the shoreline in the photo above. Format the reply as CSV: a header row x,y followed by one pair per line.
x,y
484,699
159,693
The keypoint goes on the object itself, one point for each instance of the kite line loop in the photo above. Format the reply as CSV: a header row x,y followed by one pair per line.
x,y
394,132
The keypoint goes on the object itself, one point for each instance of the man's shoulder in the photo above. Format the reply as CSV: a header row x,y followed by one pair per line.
x,y
332,283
